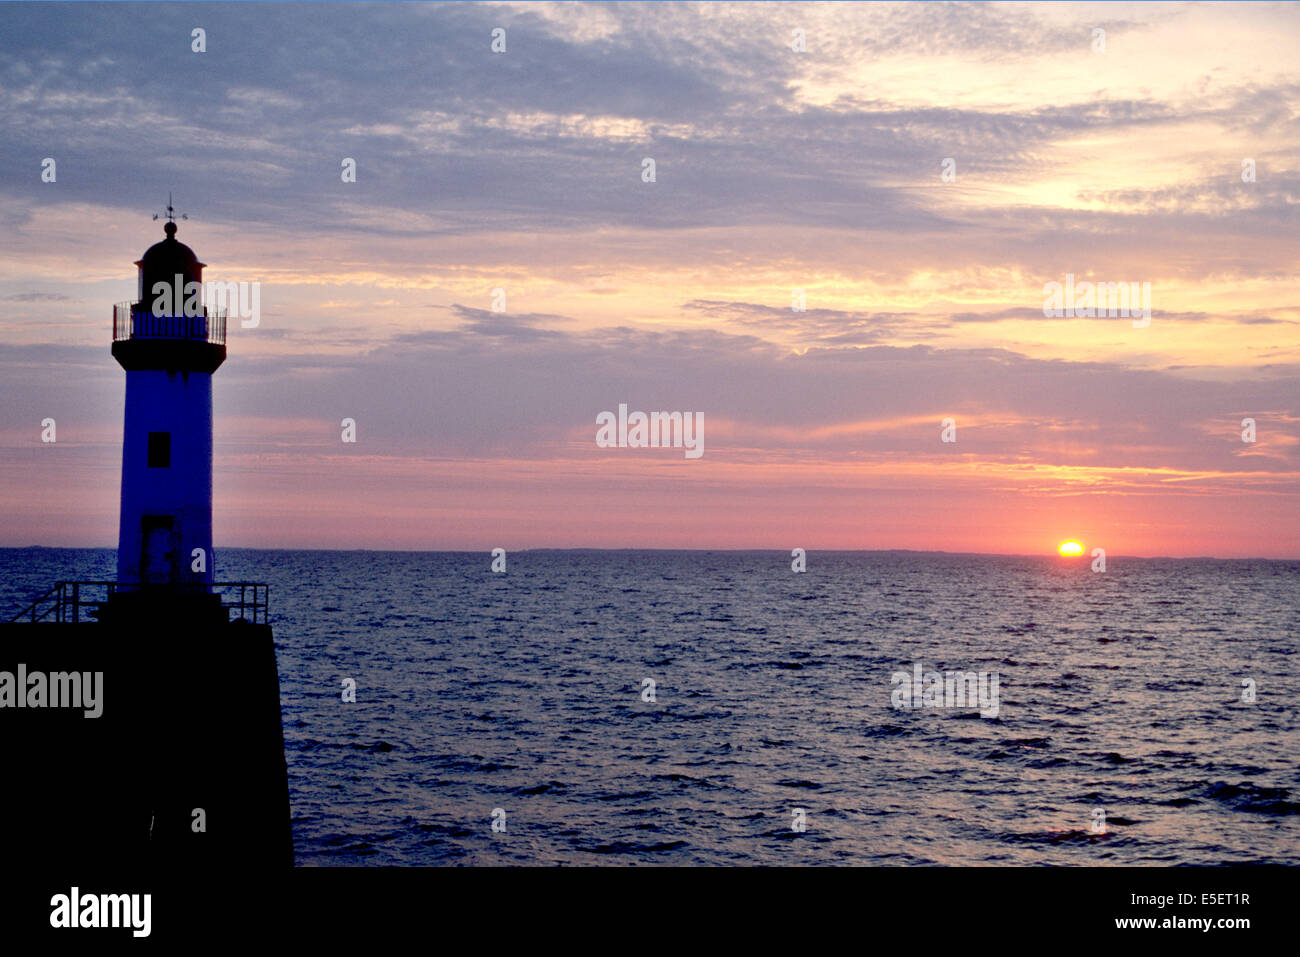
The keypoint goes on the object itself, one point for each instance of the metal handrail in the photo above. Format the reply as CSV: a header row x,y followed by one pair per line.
x,y
132,320
34,606
66,600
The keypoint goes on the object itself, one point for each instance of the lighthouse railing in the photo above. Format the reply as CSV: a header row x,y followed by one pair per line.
x,y
73,602
134,320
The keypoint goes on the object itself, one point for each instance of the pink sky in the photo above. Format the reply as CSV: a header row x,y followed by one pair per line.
x,y
777,172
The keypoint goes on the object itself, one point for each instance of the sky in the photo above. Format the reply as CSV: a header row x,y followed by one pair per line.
x,y
1116,156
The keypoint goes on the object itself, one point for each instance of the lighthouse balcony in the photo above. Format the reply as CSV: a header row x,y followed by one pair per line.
x,y
133,320
142,339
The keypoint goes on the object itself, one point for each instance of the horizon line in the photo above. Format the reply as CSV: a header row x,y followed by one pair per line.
x,y
632,548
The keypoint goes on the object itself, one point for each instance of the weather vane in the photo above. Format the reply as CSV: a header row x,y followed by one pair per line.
x,y
169,212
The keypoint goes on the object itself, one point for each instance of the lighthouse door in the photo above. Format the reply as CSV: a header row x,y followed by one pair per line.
x,y
158,554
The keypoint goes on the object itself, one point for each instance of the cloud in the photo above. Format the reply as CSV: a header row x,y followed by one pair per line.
x,y
38,297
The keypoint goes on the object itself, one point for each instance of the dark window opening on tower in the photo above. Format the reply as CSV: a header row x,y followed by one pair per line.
x,y
160,450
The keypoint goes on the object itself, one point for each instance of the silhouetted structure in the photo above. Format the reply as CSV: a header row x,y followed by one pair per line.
x,y
185,763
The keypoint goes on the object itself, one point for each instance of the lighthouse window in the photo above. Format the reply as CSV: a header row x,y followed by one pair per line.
x,y
160,450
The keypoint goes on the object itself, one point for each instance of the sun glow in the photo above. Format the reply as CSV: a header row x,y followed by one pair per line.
x,y
1070,549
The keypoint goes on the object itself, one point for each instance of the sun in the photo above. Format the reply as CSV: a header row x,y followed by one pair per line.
x,y
1070,549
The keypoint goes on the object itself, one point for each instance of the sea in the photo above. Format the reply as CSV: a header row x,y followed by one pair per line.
x,y
717,707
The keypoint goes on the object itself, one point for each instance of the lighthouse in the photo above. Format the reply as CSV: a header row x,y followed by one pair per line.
x,y
170,349
170,345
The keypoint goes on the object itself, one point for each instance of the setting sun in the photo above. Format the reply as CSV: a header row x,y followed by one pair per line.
x,y
1070,549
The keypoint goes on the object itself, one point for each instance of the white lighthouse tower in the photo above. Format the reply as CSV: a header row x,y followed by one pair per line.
x,y
170,345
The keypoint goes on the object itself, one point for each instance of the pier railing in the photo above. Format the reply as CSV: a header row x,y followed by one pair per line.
x,y
78,601
132,320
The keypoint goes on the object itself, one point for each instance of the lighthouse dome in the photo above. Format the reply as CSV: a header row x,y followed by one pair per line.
x,y
164,261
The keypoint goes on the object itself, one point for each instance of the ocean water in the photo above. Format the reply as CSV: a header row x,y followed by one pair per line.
x,y
1119,691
